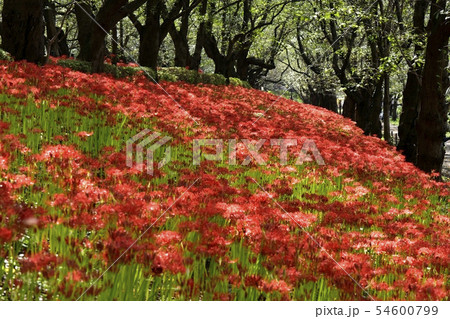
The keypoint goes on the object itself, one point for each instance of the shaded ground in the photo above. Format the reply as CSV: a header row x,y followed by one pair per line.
x,y
446,165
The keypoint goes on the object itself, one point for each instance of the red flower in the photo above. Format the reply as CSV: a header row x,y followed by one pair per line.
x,y
84,134
167,237
5,234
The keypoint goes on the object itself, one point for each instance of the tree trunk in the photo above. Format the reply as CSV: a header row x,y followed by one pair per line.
x,y
223,64
242,65
325,99
115,45
90,37
92,31
23,29
363,115
153,33
197,56
386,109
149,44
432,120
58,47
394,105
349,108
182,56
83,12
95,50
180,38
50,21
150,36
374,126
411,93
62,43
407,127
367,109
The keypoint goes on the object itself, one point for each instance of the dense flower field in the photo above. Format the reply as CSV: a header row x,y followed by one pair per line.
x,y
70,207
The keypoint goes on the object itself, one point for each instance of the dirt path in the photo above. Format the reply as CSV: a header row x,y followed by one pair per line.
x,y
446,166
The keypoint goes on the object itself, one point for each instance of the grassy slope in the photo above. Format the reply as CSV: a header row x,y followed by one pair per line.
x,y
70,207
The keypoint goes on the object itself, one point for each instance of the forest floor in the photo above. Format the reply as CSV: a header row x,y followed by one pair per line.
x,y
445,166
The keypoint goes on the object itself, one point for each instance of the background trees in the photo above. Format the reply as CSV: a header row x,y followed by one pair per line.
x,y
432,119
350,56
23,29
94,27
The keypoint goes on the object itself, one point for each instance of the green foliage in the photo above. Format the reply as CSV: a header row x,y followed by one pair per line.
x,y
76,65
5,56
175,74
216,79
116,71
239,82
172,74
128,71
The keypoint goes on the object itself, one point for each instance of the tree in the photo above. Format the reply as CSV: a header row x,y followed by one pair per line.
x,y
411,92
432,120
23,29
363,86
158,22
180,37
320,88
56,40
230,49
93,28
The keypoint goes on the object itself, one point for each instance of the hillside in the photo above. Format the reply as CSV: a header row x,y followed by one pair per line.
x,y
70,206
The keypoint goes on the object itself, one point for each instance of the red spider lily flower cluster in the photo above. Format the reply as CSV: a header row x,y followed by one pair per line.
x,y
381,220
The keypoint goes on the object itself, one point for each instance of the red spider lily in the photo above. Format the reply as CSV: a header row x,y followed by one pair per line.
x,y
84,134
169,259
42,262
276,285
369,210
5,234
167,237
